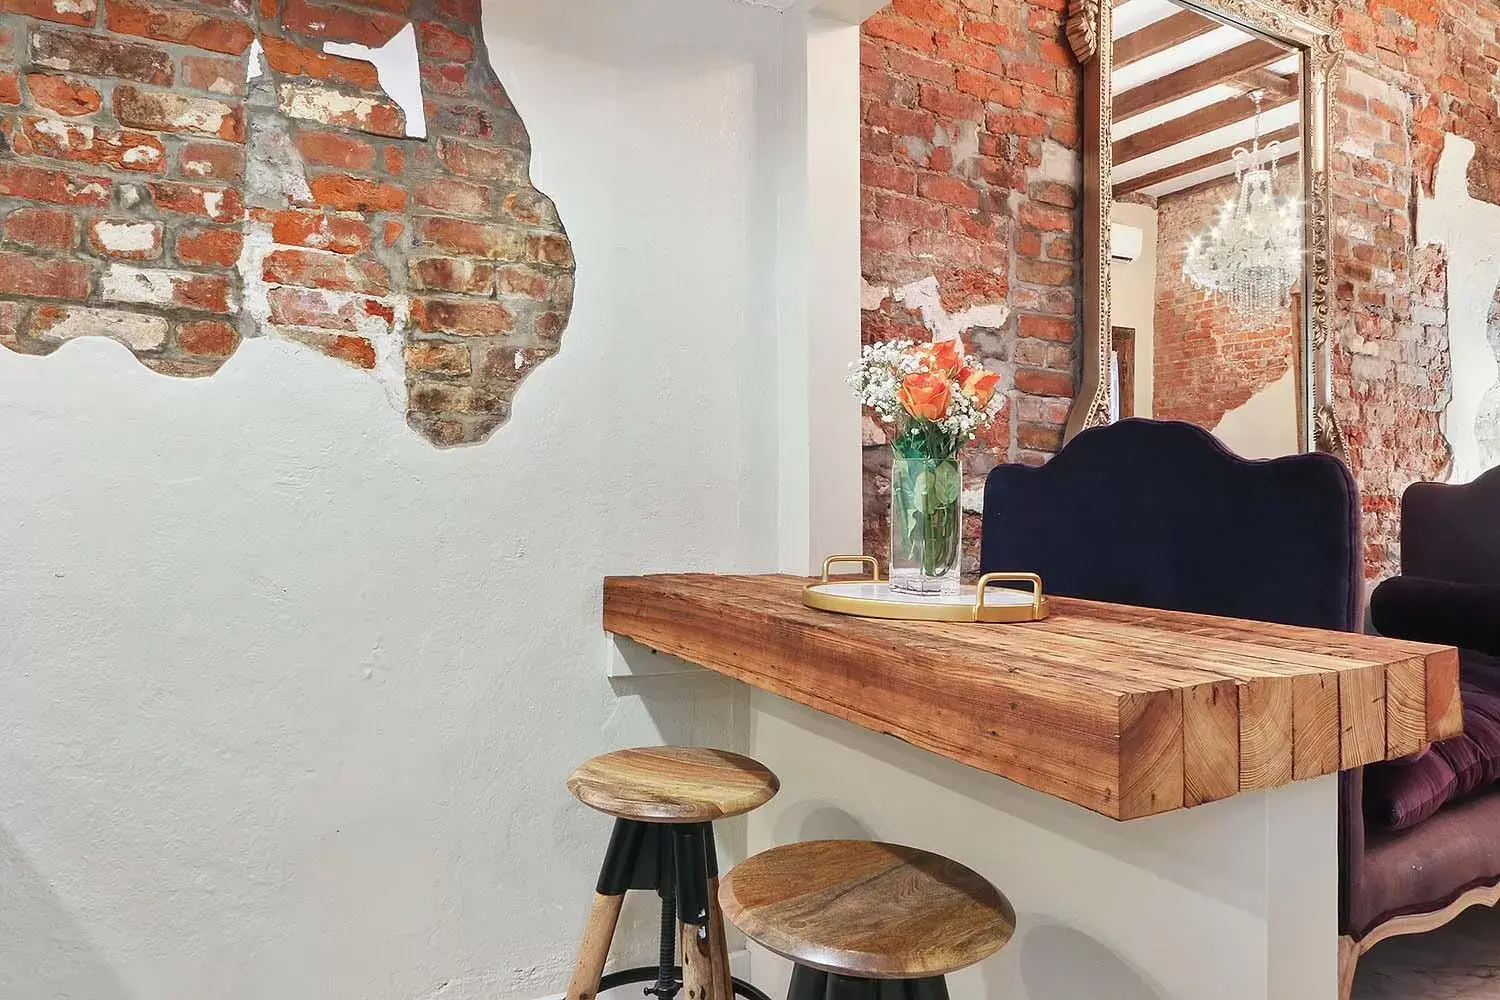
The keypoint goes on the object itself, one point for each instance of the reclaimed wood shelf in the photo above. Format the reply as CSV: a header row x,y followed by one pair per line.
x,y
1126,711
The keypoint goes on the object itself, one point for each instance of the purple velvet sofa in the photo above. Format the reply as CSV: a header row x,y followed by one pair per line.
x,y
1418,877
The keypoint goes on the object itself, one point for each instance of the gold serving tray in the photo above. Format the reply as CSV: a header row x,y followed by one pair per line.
x,y
873,598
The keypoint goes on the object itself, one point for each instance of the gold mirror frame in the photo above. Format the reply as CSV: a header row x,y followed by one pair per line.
x,y
1306,25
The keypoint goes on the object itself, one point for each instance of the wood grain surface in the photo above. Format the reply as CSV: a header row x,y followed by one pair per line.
x,y
1126,711
858,908
673,784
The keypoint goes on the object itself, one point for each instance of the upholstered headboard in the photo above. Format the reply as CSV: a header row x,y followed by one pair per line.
x,y
1160,514
1452,532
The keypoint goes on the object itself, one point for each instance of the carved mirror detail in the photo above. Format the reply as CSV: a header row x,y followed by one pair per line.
x,y
1206,203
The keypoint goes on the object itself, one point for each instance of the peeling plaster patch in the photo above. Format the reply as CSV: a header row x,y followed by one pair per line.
x,y
136,331
871,297
925,297
127,237
1469,230
397,69
1059,163
255,65
323,105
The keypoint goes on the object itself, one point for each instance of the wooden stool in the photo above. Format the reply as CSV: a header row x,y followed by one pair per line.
x,y
866,921
664,800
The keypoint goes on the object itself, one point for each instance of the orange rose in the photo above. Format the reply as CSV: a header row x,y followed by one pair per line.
x,y
925,396
979,385
946,357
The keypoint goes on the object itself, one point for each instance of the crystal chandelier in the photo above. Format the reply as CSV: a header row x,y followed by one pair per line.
x,y
1252,254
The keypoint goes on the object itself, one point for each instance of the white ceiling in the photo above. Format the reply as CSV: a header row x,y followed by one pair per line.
x,y
1134,15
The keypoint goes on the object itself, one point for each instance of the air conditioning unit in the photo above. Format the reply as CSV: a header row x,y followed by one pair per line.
x,y
1125,243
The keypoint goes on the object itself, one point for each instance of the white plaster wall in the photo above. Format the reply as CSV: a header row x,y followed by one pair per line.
x,y
1133,299
1469,231
1236,900
1265,425
287,696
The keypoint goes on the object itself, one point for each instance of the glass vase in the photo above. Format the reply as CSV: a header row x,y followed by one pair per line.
x,y
926,524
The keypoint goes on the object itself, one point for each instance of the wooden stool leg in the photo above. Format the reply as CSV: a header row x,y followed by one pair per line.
x,y
604,916
718,945
698,973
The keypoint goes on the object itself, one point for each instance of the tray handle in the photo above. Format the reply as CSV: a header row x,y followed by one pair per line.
x,y
989,578
870,561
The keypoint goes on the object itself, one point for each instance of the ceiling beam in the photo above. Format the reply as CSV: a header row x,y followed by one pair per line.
x,y
1190,126
1161,36
1211,72
1264,79
1216,181
1218,156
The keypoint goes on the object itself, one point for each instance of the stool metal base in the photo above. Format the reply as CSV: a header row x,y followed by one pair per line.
x,y
811,984
677,861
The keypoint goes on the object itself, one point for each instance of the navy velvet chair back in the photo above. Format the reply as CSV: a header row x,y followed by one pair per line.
x,y
1160,514
1452,532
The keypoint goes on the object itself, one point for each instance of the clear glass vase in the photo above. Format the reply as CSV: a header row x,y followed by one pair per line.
x,y
926,524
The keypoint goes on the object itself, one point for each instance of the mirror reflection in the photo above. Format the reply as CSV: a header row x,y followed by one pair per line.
x,y
1207,243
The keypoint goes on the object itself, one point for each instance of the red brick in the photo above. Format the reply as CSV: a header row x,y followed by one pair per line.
x,y
1044,383
36,184
438,42
394,159
10,87
1043,217
484,162
99,55
84,143
451,79
50,279
439,358
41,228
208,338
210,247
476,239
346,193
215,74
319,232
297,60
452,274
462,317
902,31
311,269
167,111
948,190
169,23
81,12
454,197
218,204
62,95
933,12
331,149
212,161
339,23
309,307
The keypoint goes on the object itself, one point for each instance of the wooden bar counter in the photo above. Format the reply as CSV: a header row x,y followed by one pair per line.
x,y
1126,711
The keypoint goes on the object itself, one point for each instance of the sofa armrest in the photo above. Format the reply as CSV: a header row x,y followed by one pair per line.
x,y
1351,841
1438,611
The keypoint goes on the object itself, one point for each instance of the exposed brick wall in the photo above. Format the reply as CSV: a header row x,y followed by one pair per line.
x,y
151,195
1416,70
970,117
1206,364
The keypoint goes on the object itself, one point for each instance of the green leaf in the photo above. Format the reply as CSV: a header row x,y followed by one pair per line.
x,y
949,483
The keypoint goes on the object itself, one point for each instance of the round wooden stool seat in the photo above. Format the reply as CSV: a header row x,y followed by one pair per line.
x,y
673,784
867,910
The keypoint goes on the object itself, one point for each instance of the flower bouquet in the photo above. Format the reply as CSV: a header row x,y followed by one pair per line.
x,y
937,399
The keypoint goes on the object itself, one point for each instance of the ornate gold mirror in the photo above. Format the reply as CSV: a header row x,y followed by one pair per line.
x,y
1206,259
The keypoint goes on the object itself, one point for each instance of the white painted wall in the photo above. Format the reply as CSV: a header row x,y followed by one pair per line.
x,y
287,696
1470,232
1265,425
1133,299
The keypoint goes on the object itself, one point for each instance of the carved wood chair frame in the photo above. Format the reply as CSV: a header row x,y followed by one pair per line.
x,y
1305,25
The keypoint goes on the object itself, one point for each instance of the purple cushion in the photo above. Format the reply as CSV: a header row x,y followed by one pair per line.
x,y
1463,755
1482,725
1402,793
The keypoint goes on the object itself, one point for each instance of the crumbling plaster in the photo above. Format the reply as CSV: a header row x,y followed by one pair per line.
x,y
1469,232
